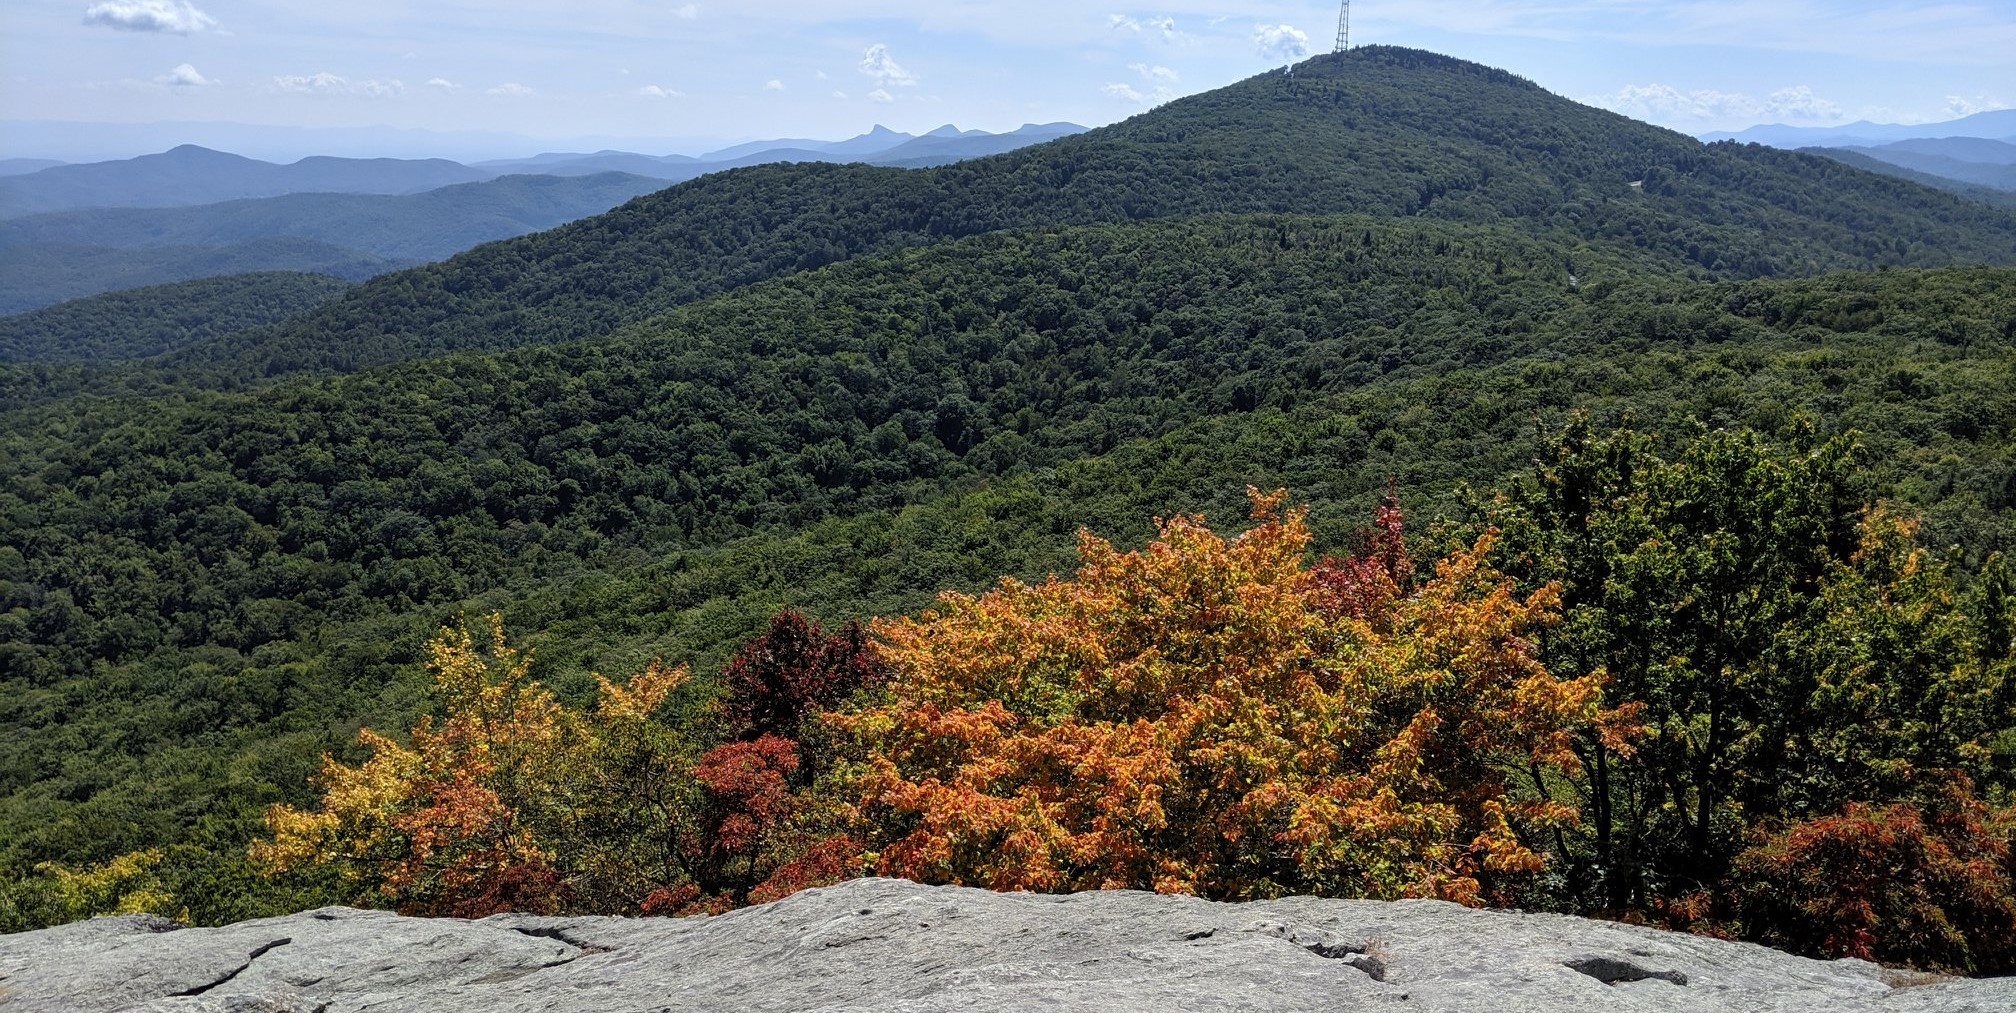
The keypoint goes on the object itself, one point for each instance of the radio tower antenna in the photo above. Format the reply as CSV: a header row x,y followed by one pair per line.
x,y
1343,28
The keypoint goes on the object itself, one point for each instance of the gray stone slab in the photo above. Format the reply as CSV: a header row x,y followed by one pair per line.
x,y
895,946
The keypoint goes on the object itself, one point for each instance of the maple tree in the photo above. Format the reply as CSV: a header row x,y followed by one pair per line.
x,y
1216,716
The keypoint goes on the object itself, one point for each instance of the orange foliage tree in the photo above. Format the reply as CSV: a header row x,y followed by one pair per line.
x,y
1219,717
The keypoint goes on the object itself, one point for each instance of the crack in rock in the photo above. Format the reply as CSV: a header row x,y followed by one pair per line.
x,y
559,935
1612,971
235,972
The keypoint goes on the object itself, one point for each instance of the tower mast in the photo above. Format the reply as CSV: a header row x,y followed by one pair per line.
x,y
1343,28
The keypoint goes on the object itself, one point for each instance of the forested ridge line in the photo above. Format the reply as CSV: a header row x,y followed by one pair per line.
x,y
1381,131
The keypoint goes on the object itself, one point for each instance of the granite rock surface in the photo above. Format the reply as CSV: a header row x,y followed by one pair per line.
x,y
896,946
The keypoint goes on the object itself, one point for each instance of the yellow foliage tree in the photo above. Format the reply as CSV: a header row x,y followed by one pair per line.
x,y
1219,717
468,818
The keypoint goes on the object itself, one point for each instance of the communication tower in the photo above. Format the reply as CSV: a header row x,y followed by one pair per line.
x,y
1343,28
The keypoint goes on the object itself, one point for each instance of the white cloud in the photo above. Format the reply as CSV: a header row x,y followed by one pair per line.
x,y
512,89
1281,43
878,64
773,85
654,91
1801,104
183,76
1960,105
442,83
326,83
1665,103
1128,93
1152,73
686,13
1163,28
881,95
176,17
837,93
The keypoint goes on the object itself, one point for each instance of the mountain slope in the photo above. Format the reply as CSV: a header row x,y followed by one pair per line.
x,y
424,226
1377,131
34,277
192,175
148,321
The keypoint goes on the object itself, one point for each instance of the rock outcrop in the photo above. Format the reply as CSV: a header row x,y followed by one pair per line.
x,y
888,945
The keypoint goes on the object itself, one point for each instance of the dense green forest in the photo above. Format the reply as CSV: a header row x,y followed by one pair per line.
x,y
142,322
1385,132
33,277
844,390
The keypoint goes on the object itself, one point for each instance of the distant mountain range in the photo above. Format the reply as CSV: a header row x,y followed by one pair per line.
x,y
190,175
1999,174
1974,157
880,146
1999,124
70,231
49,258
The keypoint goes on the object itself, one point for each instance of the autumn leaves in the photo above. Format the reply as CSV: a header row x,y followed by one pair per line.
x,y
1207,715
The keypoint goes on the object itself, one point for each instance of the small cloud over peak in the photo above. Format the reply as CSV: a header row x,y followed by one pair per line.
x,y
183,76
1152,73
655,91
773,85
1281,43
442,83
687,12
881,95
173,17
878,64
511,89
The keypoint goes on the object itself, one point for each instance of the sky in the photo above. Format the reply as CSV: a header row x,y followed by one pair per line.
x,y
681,73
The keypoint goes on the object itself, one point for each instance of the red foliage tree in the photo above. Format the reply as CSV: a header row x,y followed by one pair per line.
x,y
793,670
1932,885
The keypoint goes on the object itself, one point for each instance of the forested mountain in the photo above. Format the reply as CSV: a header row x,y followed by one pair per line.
x,y
844,389
1378,131
74,253
141,322
192,175
36,276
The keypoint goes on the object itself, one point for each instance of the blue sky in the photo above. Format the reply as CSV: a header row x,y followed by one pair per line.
x,y
664,69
